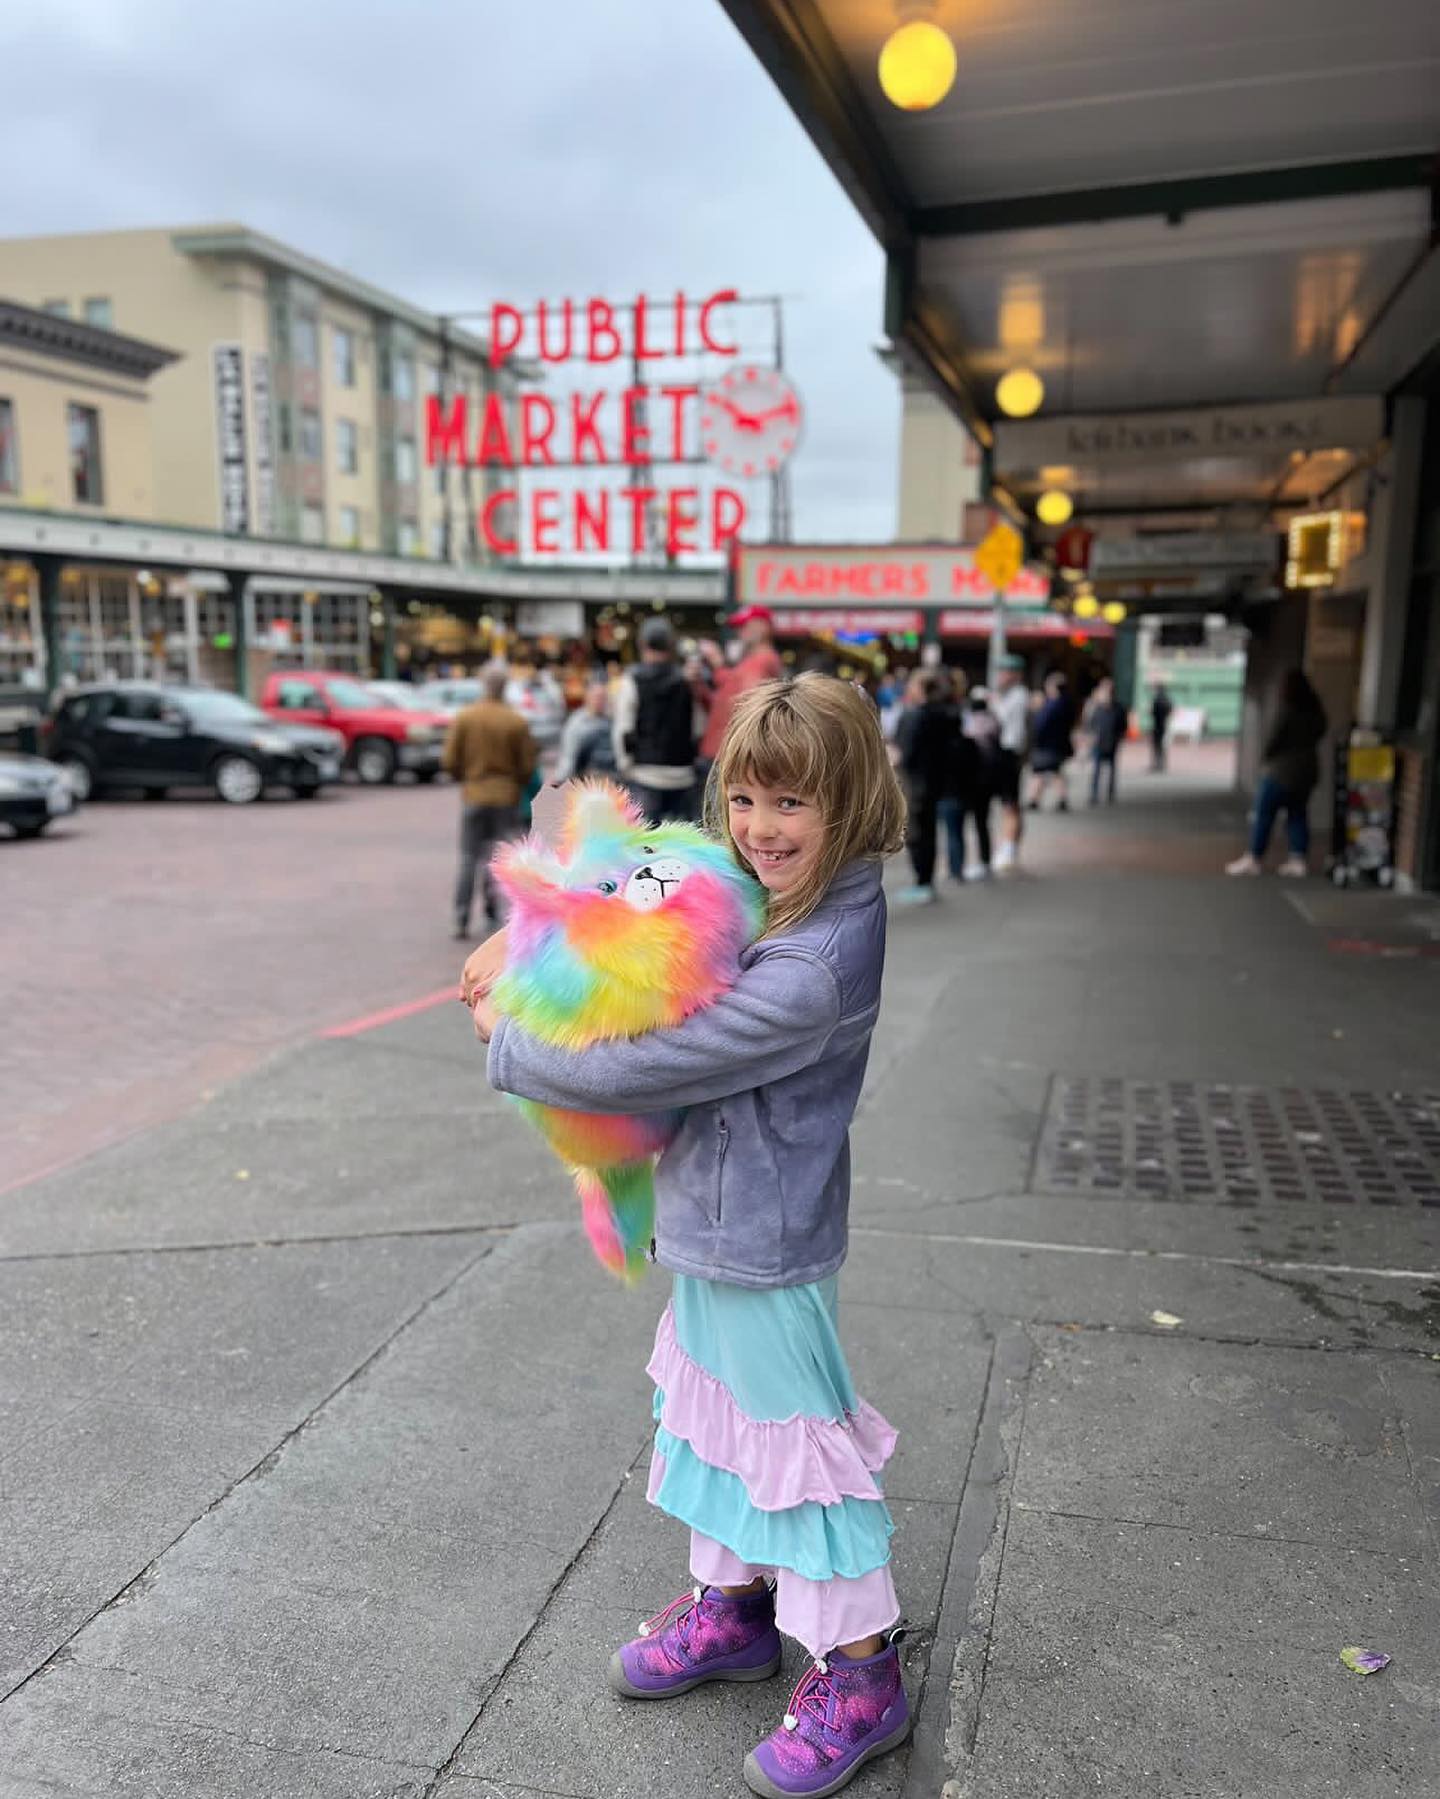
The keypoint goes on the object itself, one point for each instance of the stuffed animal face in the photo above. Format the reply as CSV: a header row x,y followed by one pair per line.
x,y
620,927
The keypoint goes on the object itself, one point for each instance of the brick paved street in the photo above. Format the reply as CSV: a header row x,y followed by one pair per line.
x,y
164,948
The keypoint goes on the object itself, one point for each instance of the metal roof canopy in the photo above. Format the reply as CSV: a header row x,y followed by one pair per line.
x,y
1154,203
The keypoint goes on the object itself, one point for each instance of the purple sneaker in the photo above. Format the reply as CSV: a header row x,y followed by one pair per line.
x,y
703,1635
842,1715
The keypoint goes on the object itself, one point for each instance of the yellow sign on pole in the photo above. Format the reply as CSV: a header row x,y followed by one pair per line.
x,y
1000,555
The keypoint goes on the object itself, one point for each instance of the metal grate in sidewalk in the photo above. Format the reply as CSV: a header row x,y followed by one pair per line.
x,y
1178,1140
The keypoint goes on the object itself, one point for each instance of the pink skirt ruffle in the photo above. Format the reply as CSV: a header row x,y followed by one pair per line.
x,y
782,1463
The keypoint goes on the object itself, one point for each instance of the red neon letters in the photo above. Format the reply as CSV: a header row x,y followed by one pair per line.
x,y
623,427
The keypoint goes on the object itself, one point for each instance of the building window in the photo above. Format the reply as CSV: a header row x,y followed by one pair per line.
x,y
100,312
350,527
310,448
312,525
82,430
343,343
305,341
405,461
437,539
284,428
429,379
9,449
59,309
409,538
347,447
402,378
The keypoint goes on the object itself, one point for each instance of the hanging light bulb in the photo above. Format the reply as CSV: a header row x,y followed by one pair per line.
x,y
1086,605
1113,612
1054,507
1019,393
917,66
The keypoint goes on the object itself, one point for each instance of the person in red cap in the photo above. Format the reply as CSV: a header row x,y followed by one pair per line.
x,y
760,662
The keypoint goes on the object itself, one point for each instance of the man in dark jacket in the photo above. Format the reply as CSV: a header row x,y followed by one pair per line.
x,y
1106,720
931,750
657,729
1289,773
1052,742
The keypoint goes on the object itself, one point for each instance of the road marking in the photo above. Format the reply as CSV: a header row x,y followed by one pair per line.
x,y
373,1020
1252,1263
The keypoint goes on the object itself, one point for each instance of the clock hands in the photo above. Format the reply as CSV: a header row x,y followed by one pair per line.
x,y
755,421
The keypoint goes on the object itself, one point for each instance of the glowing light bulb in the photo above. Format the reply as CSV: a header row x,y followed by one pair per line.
x,y
1054,507
1113,612
1086,605
1019,393
917,66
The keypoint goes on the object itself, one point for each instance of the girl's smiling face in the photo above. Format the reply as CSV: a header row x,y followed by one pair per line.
x,y
779,833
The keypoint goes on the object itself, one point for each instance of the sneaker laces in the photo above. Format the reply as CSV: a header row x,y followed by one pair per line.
x,y
681,1609
812,1695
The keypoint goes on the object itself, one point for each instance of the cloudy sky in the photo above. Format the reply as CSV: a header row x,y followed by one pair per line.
x,y
459,151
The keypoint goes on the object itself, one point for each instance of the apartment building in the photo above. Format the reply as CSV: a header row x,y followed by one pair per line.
x,y
296,406
75,414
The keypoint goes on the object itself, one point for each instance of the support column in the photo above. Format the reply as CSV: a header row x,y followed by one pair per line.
x,y
1392,537
47,574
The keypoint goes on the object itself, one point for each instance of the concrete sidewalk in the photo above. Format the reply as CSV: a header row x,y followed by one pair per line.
x,y
322,1443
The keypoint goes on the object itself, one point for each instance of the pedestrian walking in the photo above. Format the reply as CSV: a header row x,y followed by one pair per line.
x,y
656,729
759,661
1289,774
929,743
587,743
1053,743
489,748
1011,706
540,700
764,1448
1161,706
1105,721
982,772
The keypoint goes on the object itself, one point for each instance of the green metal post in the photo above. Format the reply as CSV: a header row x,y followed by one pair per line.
x,y
1126,661
47,573
387,635
240,634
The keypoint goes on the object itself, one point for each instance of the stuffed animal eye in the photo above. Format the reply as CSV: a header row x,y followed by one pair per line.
x,y
647,849
609,886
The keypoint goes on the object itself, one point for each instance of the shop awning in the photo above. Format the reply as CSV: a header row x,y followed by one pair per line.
x,y
1154,205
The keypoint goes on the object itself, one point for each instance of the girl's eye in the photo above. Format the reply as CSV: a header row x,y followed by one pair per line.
x,y
739,799
609,886
790,804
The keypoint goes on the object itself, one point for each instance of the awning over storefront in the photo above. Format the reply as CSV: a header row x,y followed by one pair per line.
x,y
1157,208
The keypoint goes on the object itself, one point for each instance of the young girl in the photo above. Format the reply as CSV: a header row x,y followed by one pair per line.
x,y
763,1448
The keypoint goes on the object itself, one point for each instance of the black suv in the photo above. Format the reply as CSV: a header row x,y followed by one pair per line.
x,y
139,734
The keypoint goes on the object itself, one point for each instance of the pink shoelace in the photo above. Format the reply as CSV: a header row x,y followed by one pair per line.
x,y
812,1695
681,1608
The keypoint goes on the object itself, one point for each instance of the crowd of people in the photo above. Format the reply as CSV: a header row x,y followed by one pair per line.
x,y
963,752
655,726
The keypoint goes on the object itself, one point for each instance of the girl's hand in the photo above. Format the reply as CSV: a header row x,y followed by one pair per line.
x,y
485,1017
482,968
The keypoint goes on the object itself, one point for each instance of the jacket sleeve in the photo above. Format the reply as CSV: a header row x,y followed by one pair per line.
x,y
452,755
627,706
775,1020
525,756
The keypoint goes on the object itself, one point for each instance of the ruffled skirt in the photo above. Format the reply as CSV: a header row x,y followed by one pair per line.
x,y
765,1450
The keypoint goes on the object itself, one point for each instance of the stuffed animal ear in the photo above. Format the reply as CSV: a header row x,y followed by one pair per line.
x,y
599,809
529,875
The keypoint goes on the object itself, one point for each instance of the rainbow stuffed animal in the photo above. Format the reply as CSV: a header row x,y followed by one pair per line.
x,y
616,928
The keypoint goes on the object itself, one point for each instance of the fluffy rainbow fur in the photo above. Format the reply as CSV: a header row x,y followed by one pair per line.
x,y
627,928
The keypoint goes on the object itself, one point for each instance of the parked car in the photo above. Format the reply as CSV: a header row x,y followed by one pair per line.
x,y
380,737
33,793
140,734
451,697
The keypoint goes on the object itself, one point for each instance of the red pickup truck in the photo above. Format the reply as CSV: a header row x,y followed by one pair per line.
x,y
380,738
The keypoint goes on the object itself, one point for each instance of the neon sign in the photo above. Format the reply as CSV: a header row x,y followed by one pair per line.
x,y
745,423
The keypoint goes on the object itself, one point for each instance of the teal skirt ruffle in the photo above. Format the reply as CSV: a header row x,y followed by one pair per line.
x,y
774,1356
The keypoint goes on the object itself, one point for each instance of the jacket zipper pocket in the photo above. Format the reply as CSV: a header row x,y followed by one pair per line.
x,y
722,1146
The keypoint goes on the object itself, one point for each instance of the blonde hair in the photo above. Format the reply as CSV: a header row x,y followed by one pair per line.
x,y
819,739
